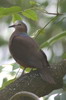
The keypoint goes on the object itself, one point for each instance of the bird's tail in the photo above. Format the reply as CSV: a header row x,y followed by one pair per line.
x,y
46,75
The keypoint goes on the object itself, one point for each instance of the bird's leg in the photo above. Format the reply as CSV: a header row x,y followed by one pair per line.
x,y
23,71
17,73
31,70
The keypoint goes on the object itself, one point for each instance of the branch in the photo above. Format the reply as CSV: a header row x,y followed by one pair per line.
x,y
21,95
57,6
32,82
40,30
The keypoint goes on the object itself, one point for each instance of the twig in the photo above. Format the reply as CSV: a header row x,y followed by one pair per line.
x,y
53,19
57,14
54,13
57,7
44,11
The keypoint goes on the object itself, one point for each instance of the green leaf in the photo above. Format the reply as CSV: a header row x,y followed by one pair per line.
x,y
1,67
12,73
30,14
53,39
2,41
9,11
33,2
64,55
5,83
38,32
16,17
15,66
29,69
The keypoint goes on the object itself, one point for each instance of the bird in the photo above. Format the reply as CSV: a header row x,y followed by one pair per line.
x,y
26,51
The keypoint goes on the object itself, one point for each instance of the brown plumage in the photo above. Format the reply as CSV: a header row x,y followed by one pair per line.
x,y
27,53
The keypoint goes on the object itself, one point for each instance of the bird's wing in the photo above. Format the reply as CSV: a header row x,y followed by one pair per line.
x,y
26,50
44,59
27,53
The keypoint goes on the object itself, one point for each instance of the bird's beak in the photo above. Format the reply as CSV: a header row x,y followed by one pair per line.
x,y
11,26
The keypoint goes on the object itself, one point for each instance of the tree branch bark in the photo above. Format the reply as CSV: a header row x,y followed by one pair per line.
x,y
32,82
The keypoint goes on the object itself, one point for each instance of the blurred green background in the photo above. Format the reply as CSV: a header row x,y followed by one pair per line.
x,y
36,14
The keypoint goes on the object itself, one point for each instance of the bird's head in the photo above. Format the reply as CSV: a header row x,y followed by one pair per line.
x,y
19,26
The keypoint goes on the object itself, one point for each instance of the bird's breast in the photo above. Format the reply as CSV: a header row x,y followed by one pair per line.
x,y
25,51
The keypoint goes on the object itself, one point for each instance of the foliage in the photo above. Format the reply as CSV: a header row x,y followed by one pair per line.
x,y
15,10
54,39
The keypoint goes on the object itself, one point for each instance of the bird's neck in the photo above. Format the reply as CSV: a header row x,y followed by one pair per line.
x,y
24,34
21,33
21,29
